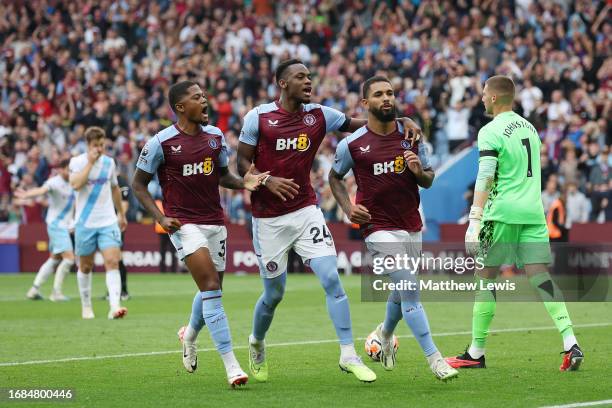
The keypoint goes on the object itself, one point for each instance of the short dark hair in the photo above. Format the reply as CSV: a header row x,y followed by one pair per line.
x,y
177,92
94,133
504,85
368,83
282,67
64,163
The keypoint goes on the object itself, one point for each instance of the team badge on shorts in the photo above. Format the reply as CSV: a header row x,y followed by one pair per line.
x,y
309,119
272,266
212,143
405,144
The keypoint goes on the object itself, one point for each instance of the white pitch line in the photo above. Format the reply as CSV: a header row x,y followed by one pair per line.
x,y
292,343
581,404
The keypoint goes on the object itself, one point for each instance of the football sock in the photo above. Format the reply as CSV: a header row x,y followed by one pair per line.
x,y
46,270
393,314
216,320
229,361
414,314
325,268
347,351
553,301
274,288
62,270
123,272
113,284
482,316
196,321
84,281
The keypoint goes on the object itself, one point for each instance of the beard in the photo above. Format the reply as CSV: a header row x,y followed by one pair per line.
x,y
384,117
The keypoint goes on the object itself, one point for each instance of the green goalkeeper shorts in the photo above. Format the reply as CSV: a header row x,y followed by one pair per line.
x,y
518,244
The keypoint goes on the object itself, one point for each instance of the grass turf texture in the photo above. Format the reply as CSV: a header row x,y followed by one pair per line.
x,y
522,365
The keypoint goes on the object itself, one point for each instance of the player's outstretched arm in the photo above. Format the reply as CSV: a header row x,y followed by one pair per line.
x,y
34,192
250,181
412,131
139,185
356,213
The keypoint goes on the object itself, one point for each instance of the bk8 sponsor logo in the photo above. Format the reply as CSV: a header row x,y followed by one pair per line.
x,y
300,143
392,166
204,167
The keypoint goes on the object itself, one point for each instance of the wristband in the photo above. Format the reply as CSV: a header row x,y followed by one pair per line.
x,y
475,213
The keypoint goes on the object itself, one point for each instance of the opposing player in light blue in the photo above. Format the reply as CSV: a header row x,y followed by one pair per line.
x,y
59,218
98,225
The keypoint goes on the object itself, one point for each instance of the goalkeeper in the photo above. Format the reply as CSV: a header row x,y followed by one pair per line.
x,y
507,223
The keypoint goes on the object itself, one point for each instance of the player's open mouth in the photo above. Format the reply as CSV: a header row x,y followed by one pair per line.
x,y
307,91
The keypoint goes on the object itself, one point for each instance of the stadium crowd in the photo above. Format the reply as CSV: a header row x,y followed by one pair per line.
x,y
68,65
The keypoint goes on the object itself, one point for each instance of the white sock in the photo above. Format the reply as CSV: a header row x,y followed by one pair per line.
x,y
190,334
256,343
568,342
62,270
431,359
113,284
476,352
45,271
386,336
229,361
84,281
347,351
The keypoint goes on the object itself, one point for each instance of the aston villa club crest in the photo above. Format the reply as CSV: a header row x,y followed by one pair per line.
x,y
405,144
213,143
309,119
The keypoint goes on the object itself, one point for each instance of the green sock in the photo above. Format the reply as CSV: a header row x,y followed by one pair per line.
x,y
555,305
482,314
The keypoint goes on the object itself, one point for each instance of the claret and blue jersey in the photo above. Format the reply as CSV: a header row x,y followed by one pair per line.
x,y
187,167
287,143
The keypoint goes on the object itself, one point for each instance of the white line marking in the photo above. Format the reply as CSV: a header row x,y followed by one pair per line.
x,y
292,343
581,404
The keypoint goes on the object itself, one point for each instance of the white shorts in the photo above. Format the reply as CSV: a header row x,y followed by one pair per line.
x,y
383,244
303,230
191,237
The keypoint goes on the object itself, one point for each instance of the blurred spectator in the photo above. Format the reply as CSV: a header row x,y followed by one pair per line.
x,y
578,206
600,183
550,193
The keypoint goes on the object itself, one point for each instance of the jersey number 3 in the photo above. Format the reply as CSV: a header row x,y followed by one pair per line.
x,y
528,147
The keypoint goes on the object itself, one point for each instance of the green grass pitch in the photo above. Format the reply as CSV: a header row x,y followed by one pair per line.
x,y
522,357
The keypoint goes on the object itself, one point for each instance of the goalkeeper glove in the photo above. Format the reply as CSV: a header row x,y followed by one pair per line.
x,y
473,231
